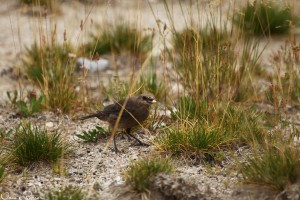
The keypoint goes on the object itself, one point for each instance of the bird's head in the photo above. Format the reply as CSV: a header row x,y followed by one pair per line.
x,y
147,100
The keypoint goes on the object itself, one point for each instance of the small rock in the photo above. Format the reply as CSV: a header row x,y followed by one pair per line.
x,y
118,179
49,124
92,65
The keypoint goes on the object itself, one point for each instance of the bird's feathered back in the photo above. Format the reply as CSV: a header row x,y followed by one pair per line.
x,y
135,111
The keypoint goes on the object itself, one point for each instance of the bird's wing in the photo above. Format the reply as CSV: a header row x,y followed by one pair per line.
x,y
113,108
117,107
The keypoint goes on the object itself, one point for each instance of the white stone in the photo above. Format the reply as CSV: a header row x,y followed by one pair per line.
x,y
49,124
92,65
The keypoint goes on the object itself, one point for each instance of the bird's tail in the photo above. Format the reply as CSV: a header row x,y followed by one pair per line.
x,y
89,116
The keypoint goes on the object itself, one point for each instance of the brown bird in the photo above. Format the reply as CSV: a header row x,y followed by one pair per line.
x,y
134,110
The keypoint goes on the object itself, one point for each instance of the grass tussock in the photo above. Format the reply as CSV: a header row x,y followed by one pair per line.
x,y
41,61
208,65
202,127
192,139
241,123
265,18
120,37
276,167
67,193
49,66
141,172
33,144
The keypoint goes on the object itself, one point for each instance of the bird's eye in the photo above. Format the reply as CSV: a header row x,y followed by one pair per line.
x,y
145,98
148,99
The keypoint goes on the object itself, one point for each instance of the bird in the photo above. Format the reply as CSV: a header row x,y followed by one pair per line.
x,y
133,110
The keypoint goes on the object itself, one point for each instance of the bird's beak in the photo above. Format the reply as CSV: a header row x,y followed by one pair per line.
x,y
153,101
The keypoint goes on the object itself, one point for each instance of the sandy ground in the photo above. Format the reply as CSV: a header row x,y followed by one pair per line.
x,y
92,166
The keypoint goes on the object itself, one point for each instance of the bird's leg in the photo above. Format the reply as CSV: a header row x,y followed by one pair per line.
x,y
115,145
139,141
125,133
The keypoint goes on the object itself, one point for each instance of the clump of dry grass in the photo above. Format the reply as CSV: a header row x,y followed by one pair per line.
x,y
284,85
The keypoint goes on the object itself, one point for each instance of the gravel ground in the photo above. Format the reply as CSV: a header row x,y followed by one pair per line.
x,y
96,168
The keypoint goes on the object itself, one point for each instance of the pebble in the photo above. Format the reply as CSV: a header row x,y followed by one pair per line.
x,y
49,124
92,65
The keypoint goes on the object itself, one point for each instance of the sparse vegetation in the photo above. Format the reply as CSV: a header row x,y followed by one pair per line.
x,y
43,62
5,137
202,127
45,5
141,172
37,2
116,88
12,97
193,139
276,166
27,108
33,144
67,193
284,85
208,66
92,135
265,17
50,67
120,37
2,167
152,84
